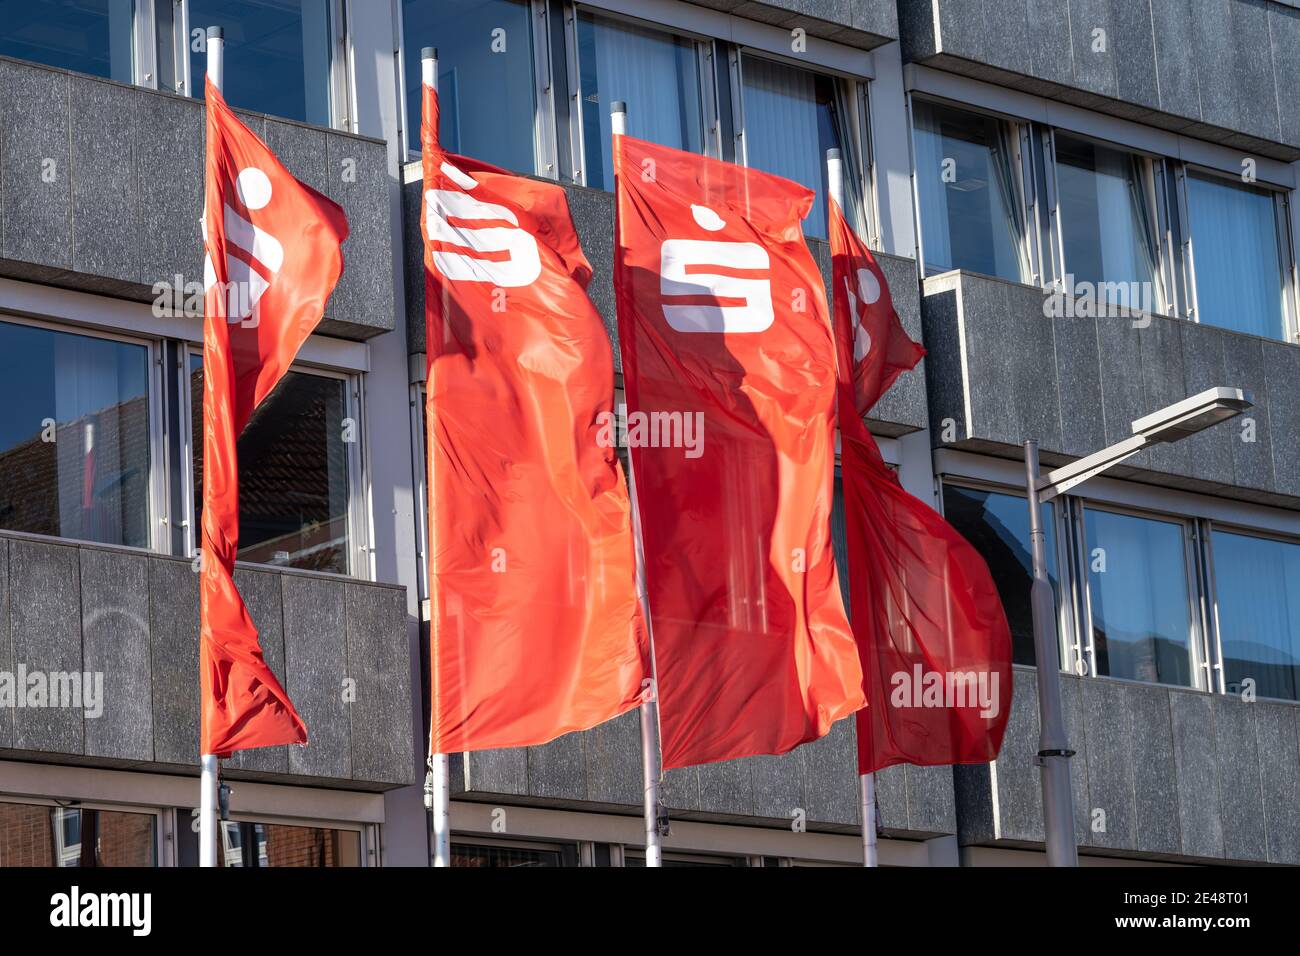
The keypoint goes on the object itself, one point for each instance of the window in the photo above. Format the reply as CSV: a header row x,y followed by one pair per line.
x,y
1240,255
1257,594
1139,597
965,183
75,437
792,117
493,855
486,88
249,845
34,835
1106,222
294,472
277,55
655,73
90,36
997,525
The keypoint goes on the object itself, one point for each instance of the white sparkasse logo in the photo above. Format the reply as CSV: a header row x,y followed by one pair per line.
x,y
677,255
922,688
245,285
74,908
522,267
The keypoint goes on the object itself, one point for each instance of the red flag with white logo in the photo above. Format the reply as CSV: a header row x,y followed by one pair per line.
x,y
729,367
273,257
935,646
536,627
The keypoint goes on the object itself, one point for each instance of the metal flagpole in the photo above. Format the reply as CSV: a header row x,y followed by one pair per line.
x,y
651,758
209,764
437,787
835,180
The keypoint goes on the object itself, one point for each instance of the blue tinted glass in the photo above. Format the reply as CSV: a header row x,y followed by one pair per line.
x,y
485,77
89,36
654,73
1257,587
277,55
1235,248
74,437
1141,618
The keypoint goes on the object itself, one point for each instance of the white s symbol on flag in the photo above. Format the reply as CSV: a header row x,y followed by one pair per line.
x,y
522,267
869,289
755,315
245,284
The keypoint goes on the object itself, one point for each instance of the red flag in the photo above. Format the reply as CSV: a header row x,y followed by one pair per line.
x,y
729,367
273,257
936,649
536,626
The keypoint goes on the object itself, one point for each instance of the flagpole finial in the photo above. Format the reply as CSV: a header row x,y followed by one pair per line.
x,y
618,106
833,153
429,53
216,33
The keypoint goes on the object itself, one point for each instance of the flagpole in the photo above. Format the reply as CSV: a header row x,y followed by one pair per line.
x,y
437,789
210,764
651,757
867,781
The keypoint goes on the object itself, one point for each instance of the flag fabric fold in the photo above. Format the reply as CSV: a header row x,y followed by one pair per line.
x,y
729,369
933,637
536,628
274,255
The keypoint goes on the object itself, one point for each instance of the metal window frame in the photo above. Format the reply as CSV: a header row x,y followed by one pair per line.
x,y
162,846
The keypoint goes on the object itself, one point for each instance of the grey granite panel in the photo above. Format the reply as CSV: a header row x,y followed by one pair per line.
x,y
1155,779
1279,762
931,807
1282,374
45,618
831,783
905,403
264,599
1078,382
105,204
1197,763
302,150
875,16
1240,795
1017,796
497,771
559,769
174,659
728,786
379,660
1051,54
987,331
115,639
1094,53
357,179
1005,33
593,217
6,645
1076,733
169,169
1163,383
1253,85
1109,733
1212,22
973,793
36,191
1284,35
413,265
1133,48
613,755
961,28
1243,366
778,786
1122,394
680,789
891,798
315,664
916,24
1033,359
1209,453
944,377
1176,71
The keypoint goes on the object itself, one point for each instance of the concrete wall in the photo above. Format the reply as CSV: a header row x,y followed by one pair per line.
x,y
1003,371
1227,71
135,617
1179,774
101,190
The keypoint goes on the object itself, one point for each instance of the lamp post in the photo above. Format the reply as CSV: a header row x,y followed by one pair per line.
x,y
1170,424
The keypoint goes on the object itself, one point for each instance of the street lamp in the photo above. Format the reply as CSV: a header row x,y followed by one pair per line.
x,y
1170,424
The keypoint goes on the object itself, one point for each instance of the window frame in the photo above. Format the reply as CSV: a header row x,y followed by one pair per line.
x,y
160,832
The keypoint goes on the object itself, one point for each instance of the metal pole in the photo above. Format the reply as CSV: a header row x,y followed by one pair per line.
x,y
209,764
1054,751
651,758
835,182
438,790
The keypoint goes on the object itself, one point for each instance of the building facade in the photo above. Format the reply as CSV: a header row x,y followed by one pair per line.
x,y
1086,211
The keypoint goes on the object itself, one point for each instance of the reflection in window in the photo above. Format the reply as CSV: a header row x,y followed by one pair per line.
x,y
1257,588
44,836
1137,583
293,473
655,73
74,436
485,77
90,36
997,525
1238,255
464,854
259,845
792,117
277,55
966,187
1106,222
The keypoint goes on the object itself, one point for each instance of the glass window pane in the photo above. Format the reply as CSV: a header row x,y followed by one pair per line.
x,y
74,437
965,182
792,117
655,73
463,854
1239,278
1257,588
90,36
277,55
997,525
258,845
1141,615
1106,223
293,473
32,835
485,77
